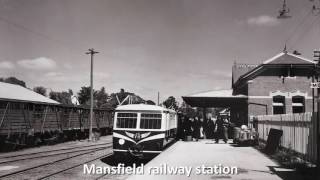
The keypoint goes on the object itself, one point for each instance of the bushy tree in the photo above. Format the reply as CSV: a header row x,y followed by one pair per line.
x,y
40,90
150,102
62,97
13,80
113,102
84,95
171,103
101,97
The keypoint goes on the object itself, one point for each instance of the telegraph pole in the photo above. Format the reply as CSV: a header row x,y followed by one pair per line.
x,y
91,52
316,54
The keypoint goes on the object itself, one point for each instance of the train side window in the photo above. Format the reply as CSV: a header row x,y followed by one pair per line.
x,y
127,120
150,121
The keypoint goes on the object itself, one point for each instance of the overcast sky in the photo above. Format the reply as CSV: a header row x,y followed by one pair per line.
x,y
177,47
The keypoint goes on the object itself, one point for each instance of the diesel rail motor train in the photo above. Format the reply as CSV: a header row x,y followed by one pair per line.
x,y
25,124
142,130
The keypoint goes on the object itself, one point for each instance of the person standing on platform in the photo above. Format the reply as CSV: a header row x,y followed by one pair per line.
x,y
210,128
187,126
196,128
203,133
180,129
225,125
222,129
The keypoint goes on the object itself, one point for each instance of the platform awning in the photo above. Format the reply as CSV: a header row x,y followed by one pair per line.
x,y
218,98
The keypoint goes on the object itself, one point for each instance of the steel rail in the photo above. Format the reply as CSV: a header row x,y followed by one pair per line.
x,y
50,163
48,155
62,149
77,165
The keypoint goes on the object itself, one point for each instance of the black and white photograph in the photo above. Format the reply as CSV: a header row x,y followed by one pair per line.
x,y
159,89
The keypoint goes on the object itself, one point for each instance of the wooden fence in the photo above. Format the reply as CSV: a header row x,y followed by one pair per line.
x,y
299,131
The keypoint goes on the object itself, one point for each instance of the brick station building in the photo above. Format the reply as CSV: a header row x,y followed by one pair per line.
x,y
280,85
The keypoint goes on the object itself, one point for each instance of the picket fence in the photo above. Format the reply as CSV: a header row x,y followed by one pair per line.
x,y
299,132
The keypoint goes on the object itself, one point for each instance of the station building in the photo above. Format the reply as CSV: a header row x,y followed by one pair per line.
x,y
279,85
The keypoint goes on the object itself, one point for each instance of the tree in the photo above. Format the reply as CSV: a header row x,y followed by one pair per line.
x,y
70,91
134,99
53,96
13,80
150,102
171,103
101,97
84,95
62,97
40,90
122,95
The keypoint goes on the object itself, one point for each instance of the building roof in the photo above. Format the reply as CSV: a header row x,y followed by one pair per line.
x,y
225,93
12,92
240,69
217,98
288,58
141,107
283,59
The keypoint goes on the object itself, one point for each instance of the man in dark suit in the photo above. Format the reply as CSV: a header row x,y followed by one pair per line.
x,y
222,129
196,128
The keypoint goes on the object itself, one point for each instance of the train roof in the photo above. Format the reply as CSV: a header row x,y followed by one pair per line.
x,y
142,107
12,92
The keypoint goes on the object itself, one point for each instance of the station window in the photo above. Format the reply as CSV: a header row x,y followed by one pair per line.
x,y
150,121
127,120
298,104
279,105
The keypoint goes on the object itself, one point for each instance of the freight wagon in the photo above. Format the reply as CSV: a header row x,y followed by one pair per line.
x,y
29,119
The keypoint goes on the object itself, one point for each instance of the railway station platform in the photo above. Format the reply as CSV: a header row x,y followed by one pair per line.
x,y
207,160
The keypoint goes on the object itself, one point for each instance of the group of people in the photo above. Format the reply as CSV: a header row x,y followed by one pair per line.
x,y
211,129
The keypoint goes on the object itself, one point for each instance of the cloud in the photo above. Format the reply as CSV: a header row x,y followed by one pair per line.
x,y
101,75
221,73
68,66
6,65
53,74
215,74
41,63
263,20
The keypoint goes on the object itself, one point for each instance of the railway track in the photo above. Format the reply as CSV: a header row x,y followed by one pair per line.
x,y
72,167
61,149
44,154
103,175
46,166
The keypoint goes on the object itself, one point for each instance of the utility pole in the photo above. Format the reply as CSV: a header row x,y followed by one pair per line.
x,y
91,52
158,98
316,54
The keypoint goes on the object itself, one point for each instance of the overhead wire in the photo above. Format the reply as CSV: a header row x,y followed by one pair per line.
x,y
304,27
302,22
42,35
293,31
305,31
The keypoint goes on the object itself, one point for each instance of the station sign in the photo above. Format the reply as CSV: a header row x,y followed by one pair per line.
x,y
315,85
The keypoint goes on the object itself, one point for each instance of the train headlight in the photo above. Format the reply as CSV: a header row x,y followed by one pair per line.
x,y
121,141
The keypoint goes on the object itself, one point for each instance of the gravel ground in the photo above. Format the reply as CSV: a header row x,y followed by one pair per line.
x,y
75,173
70,144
